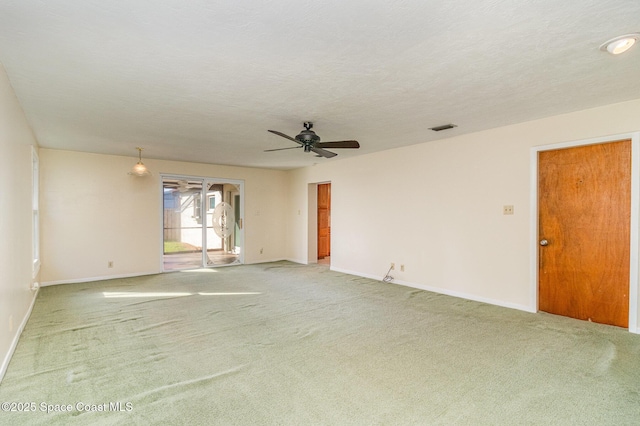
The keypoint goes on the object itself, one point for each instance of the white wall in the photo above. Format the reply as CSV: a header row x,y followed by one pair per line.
x,y
437,207
16,140
94,212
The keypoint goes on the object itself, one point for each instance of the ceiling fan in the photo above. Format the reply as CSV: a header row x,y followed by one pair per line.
x,y
182,185
310,142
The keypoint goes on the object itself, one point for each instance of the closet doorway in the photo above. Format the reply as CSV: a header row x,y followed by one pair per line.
x,y
202,222
324,222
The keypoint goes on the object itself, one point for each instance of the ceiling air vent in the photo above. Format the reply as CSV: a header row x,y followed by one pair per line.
x,y
443,127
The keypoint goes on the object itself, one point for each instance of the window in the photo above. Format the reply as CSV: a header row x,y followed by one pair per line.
x,y
35,216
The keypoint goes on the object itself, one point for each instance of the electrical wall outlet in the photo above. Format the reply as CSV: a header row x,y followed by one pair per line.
x,y
110,264
261,250
507,210
401,268
393,266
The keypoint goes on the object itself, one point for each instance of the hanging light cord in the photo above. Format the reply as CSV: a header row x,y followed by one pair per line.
x,y
388,278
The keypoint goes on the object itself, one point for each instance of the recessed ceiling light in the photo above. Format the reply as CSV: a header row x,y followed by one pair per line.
x,y
620,44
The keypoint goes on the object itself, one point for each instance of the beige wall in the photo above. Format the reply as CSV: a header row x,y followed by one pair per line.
x,y
16,297
94,212
437,207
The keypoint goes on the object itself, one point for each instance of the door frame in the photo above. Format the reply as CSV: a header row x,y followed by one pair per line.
x,y
635,214
312,220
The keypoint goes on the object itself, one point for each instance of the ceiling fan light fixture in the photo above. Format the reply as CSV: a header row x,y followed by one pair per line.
x,y
140,169
620,44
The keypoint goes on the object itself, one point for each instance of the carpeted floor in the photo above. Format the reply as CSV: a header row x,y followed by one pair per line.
x,y
288,344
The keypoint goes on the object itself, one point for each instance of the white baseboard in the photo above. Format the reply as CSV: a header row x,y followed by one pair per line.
x,y
300,261
357,274
16,338
439,290
444,291
139,274
91,279
255,262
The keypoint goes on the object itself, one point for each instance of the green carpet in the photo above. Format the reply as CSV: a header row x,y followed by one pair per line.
x,y
288,344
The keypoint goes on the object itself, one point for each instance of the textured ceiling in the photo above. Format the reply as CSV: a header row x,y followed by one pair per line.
x,y
202,81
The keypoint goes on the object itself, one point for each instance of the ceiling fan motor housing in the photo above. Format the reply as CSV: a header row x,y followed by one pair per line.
x,y
308,137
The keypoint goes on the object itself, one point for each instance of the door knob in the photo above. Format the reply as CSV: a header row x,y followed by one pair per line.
x,y
544,242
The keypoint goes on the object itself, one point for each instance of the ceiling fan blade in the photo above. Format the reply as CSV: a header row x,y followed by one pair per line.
x,y
280,149
323,153
338,144
275,132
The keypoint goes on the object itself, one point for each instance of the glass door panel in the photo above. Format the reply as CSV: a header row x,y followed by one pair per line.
x,y
182,223
222,216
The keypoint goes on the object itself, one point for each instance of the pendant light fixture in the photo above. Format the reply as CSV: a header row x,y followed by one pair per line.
x,y
140,169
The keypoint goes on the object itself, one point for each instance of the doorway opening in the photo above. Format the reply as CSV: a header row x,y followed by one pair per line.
x,y
324,223
202,222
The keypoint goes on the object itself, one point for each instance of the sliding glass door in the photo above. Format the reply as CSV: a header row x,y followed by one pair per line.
x,y
202,222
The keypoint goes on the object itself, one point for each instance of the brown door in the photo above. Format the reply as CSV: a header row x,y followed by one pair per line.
x,y
324,220
584,221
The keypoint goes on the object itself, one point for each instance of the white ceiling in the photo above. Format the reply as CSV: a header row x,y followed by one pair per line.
x,y
203,80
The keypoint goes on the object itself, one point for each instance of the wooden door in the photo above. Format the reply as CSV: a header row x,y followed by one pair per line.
x,y
584,221
324,220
